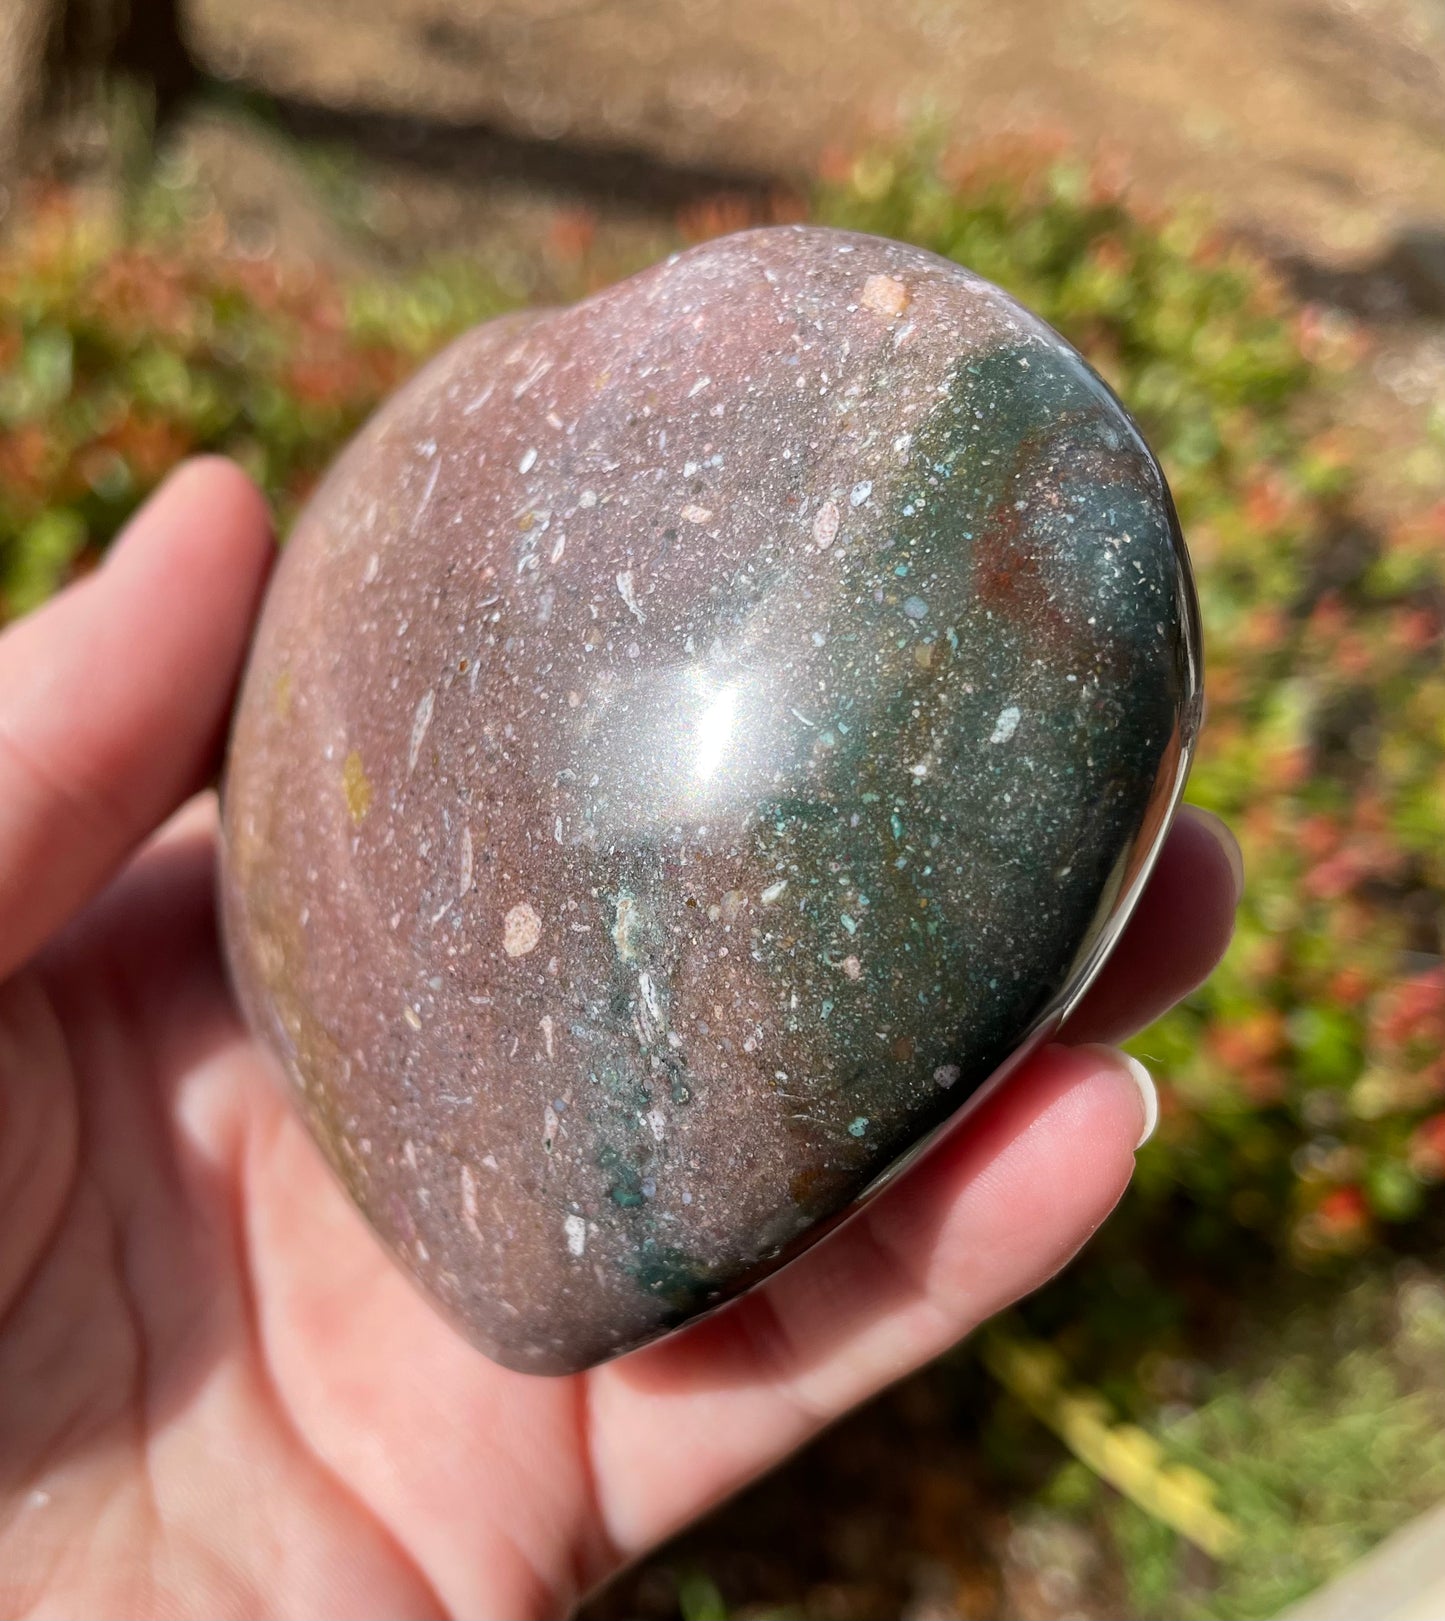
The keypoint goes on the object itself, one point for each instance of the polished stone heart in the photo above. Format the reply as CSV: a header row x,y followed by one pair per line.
x,y
694,739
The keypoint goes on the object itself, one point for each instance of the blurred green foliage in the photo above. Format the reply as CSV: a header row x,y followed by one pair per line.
x,y
121,353
1304,1118
1329,1438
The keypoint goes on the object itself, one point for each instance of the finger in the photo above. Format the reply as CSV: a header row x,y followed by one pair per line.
x,y
150,938
1177,934
39,1124
113,698
997,1207
152,929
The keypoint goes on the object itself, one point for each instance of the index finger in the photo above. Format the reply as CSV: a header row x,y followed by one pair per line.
x,y
114,697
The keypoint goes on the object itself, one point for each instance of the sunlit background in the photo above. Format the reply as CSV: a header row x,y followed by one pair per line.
x,y
236,224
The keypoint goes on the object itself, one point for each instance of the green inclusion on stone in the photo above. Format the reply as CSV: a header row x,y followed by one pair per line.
x,y
954,957
1008,514
683,1283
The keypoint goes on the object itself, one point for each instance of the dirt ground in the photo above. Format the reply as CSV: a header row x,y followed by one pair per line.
x,y
397,129
1318,125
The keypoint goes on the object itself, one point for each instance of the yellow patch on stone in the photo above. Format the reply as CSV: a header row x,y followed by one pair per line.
x,y
281,695
521,929
885,296
356,785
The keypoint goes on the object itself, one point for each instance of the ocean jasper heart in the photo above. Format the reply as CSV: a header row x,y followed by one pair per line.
x,y
694,739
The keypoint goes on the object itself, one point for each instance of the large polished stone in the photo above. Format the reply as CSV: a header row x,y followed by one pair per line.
x,y
693,740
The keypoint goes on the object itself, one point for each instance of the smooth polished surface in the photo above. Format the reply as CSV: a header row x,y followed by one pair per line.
x,y
694,739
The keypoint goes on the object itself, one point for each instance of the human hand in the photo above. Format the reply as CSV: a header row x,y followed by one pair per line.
x,y
218,1396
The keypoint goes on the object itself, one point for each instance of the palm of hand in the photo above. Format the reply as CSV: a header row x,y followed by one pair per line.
x,y
217,1394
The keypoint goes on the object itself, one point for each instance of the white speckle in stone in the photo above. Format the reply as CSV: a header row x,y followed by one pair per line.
x,y
1006,724
490,1161
412,1017
698,386
373,568
733,904
946,1075
464,877
427,493
528,461
521,929
651,998
698,515
628,593
852,968
420,721
576,1230
860,492
915,608
656,1123
547,1028
588,498
408,1153
550,1123
825,524
773,892
534,376
469,1201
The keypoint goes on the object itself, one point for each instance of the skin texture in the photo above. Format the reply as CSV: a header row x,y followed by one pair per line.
x,y
217,1394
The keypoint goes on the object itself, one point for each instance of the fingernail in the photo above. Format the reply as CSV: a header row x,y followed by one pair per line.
x,y
1148,1092
1219,830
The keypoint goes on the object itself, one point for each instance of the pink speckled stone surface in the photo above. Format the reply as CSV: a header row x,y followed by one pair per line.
x,y
693,740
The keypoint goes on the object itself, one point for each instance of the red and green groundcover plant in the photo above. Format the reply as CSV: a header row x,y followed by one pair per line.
x,y
1305,1085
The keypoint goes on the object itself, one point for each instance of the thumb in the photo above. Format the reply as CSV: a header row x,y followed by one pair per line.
x,y
114,696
